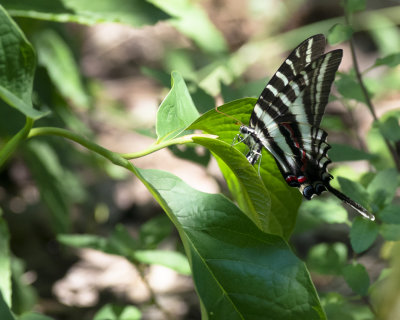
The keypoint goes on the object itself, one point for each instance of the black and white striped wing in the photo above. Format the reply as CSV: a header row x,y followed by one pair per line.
x,y
308,51
289,124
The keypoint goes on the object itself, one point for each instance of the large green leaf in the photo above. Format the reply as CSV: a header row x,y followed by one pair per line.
x,y
5,312
132,12
239,271
17,65
285,201
57,58
177,110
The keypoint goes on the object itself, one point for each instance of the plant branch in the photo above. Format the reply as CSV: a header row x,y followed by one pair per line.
x,y
13,143
367,98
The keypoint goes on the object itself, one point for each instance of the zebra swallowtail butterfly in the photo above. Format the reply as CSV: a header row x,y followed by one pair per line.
x,y
287,116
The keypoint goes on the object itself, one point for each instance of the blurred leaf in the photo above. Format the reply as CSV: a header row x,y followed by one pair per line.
x,y
357,278
121,242
284,200
115,312
170,259
390,232
52,180
390,128
155,230
83,241
390,214
5,313
57,58
18,63
363,234
24,296
338,307
327,258
243,90
339,33
239,270
193,21
34,316
352,6
5,264
132,12
391,60
349,88
327,210
377,146
355,191
177,110
382,188
344,152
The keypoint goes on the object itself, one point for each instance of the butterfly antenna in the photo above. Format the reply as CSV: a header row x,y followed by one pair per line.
x,y
237,122
356,206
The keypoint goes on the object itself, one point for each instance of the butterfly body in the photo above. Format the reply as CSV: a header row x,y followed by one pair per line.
x,y
286,120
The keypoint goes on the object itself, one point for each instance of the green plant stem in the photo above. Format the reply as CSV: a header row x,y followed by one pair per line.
x,y
13,143
367,98
120,159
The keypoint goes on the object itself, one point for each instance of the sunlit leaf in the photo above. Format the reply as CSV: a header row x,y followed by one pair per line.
x,y
285,201
357,278
177,110
363,234
390,128
170,259
5,312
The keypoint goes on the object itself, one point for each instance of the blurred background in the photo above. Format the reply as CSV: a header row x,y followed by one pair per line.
x,y
106,81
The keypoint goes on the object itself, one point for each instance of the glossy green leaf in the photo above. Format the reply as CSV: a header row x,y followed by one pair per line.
x,y
18,63
170,259
357,278
239,271
363,234
193,21
327,258
339,33
55,55
390,214
391,60
116,312
285,201
177,111
390,232
5,264
382,188
344,152
132,12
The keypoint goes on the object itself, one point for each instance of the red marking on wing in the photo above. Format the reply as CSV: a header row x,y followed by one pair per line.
x,y
297,144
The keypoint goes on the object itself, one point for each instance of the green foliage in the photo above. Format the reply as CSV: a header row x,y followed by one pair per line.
x,y
238,251
357,278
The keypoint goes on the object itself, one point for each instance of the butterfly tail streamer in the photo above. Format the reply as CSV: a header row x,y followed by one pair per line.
x,y
356,206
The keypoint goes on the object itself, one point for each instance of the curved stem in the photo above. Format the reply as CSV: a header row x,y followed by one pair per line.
x,y
13,143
